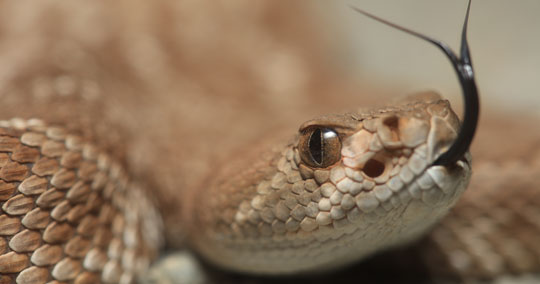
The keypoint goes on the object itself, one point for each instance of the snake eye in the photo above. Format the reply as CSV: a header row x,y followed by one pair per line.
x,y
320,147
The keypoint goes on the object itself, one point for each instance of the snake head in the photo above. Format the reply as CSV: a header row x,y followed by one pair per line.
x,y
375,174
348,186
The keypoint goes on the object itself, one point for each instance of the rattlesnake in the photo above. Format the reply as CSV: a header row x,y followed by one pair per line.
x,y
78,199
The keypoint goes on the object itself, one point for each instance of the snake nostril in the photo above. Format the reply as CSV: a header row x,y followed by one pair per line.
x,y
373,168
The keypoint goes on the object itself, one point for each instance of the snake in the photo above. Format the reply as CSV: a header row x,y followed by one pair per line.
x,y
90,190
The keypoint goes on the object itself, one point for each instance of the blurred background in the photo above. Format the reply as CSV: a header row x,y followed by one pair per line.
x,y
503,36
281,53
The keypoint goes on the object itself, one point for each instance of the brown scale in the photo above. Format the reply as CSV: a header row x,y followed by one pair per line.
x,y
61,217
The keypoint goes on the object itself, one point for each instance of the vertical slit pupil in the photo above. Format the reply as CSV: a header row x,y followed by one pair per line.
x,y
316,146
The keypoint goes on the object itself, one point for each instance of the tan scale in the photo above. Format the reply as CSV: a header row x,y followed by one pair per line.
x,y
69,213
275,215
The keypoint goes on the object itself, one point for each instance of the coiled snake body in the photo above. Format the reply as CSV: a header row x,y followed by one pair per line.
x,y
86,196
348,186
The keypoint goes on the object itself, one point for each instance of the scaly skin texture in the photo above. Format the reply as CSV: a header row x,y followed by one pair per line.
x,y
69,213
274,214
170,90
